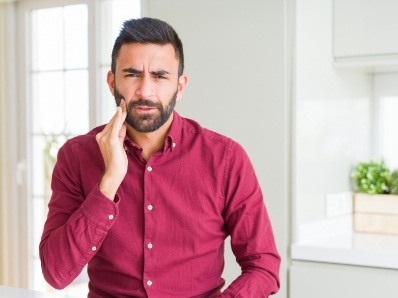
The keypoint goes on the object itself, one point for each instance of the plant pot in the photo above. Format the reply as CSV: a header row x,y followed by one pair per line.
x,y
376,213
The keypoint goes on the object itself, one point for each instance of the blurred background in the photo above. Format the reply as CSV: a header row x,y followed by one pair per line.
x,y
308,87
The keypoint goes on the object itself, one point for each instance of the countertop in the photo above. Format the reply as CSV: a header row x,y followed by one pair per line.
x,y
10,292
334,241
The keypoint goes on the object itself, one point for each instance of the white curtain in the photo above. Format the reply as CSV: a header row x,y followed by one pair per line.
x,y
3,151
11,268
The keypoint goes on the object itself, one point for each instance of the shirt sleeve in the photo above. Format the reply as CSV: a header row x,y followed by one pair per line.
x,y
76,225
249,226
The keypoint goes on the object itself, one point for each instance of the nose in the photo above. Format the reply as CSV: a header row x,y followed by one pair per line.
x,y
145,88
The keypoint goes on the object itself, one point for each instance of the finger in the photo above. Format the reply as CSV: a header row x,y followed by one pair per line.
x,y
122,133
123,106
111,122
116,122
117,119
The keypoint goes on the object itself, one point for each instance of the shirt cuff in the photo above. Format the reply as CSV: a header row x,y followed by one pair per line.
x,y
100,210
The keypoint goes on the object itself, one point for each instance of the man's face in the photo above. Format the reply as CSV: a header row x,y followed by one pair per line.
x,y
146,77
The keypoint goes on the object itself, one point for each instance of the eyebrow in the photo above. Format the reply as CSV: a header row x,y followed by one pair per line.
x,y
136,71
132,70
160,72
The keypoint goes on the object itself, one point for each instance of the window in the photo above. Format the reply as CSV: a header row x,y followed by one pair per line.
x,y
67,58
59,102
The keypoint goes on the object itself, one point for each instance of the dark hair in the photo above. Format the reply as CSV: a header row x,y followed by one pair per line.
x,y
148,30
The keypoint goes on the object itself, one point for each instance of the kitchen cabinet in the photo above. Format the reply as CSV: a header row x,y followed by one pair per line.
x,y
365,31
314,280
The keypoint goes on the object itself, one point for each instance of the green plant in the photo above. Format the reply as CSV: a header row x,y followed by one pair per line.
x,y
52,144
372,177
394,183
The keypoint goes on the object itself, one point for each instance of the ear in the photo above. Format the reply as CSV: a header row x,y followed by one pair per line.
x,y
111,82
182,83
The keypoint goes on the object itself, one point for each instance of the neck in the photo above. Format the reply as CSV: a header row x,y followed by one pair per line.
x,y
150,142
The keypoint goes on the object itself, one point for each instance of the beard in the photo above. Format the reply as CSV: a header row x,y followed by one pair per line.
x,y
148,122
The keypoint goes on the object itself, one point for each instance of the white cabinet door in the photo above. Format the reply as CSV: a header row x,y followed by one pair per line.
x,y
365,28
315,280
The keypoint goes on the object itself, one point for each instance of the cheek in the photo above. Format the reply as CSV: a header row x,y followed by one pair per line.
x,y
124,88
166,96
167,89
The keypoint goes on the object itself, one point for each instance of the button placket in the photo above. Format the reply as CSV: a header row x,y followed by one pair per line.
x,y
150,228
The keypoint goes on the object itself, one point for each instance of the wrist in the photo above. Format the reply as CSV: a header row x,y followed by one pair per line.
x,y
109,186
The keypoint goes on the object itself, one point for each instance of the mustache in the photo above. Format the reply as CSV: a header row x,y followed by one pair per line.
x,y
144,102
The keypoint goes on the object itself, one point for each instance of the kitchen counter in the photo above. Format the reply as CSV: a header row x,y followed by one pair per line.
x,y
333,241
10,292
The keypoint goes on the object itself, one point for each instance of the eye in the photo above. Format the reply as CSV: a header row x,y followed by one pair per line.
x,y
132,75
160,75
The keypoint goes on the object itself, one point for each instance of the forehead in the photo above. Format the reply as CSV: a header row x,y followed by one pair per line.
x,y
145,55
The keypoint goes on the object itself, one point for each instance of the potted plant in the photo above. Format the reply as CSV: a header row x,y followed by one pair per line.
x,y
52,144
394,183
375,198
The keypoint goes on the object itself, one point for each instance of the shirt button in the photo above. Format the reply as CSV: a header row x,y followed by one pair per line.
x,y
150,207
149,283
110,216
94,248
149,169
174,144
150,245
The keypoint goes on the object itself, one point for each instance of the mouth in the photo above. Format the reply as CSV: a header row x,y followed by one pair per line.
x,y
145,109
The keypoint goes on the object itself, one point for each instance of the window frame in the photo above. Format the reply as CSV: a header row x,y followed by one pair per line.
x,y
12,256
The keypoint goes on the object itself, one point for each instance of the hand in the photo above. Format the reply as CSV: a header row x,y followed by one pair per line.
x,y
110,141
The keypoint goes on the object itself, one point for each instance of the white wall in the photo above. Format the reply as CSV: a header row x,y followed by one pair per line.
x,y
239,86
333,113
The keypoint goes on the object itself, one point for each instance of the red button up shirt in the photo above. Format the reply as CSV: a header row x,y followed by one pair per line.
x,y
163,235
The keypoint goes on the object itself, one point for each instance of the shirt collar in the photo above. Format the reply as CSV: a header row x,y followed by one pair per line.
x,y
174,136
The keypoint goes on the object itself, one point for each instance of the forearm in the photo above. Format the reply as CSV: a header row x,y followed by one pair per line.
x,y
65,249
253,282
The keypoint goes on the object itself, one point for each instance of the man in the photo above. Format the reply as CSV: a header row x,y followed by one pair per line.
x,y
148,200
